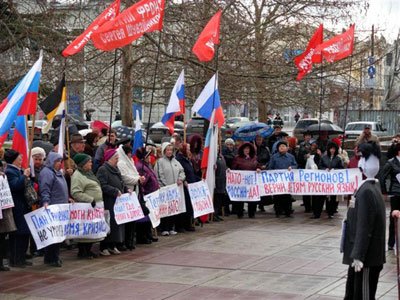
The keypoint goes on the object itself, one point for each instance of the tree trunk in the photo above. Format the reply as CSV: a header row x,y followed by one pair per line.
x,y
126,86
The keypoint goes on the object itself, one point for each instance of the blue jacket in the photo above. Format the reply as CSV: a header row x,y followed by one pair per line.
x,y
282,161
16,181
53,188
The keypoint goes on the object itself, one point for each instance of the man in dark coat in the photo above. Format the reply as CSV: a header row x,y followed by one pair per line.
x,y
363,240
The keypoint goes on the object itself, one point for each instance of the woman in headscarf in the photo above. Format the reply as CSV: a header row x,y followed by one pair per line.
x,y
53,189
246,160
85,188
112,186
19,239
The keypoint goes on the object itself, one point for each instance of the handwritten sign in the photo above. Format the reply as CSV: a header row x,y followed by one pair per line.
x,y
1,214
65,221
6,200
242,185
127,209
309,182
167,201
201,200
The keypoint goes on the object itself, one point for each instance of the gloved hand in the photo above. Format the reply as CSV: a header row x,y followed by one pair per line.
x,y
358,265
93,203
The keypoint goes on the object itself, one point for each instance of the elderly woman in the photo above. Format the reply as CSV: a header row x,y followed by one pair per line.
x,y
7,225
169,171
53,189
85,188
19,240
112,186
131,178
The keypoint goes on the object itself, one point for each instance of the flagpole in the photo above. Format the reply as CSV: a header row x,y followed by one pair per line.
x,y
154,84
112,93
347,100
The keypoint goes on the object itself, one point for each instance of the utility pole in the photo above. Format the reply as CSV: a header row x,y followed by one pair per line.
x,y
360,90
371,62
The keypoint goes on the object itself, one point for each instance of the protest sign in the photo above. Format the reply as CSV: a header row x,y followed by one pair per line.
x,y
127,208
1,214
242,185
309,182
58,222
6,200
200,197
167,201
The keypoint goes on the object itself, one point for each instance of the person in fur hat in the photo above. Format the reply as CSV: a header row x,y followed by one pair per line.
x,y
363,240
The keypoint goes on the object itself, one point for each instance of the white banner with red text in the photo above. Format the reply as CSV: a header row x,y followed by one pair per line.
x,y
201,199
127,208
250,185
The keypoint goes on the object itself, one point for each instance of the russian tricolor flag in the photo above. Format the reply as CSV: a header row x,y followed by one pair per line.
x,y
138,137
20,140
208,101
176,105
22,99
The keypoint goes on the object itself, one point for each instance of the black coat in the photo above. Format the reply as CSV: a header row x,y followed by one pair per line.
x,y
16,181
220,175
111,183
328,162
364,237
229,156
392,168
263,155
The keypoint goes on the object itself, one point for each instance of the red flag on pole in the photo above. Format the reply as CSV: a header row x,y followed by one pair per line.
x,y
204,47
339,46
108,14
131,24
305,60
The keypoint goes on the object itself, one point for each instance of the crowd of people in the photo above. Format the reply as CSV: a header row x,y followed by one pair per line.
x,y
99,168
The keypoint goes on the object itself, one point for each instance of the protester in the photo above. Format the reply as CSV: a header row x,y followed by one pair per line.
x,y
263,157
302,156
7,226
229,152
102,135
322,141
149,185
77,144
110,143
91,144
196,145
276,136
53,190
131,179
367,136
169,171
185,220
221,198
392,149
85,188
341,152
19,239
364,230
246,160
112,186
392,169
282,160
283,137
330,161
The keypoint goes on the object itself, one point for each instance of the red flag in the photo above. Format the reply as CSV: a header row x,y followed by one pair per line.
x,y
108,14
339,46
204,46
305,60
131,24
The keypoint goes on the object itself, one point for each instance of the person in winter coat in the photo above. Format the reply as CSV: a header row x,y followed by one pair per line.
x,y
221,198
53,189
149,185
392,169
19,239
85,188
131,179
263,158
279,161
185,220
246,160
229,152
110,143
169,171
7,225
364,230
301,158
196,145
112,186
330,161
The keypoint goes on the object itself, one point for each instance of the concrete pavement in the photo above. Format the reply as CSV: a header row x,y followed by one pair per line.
x,y
261,258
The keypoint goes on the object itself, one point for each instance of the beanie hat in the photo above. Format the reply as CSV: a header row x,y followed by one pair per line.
x,y
10,156
81,159
337,141
38,151
109,153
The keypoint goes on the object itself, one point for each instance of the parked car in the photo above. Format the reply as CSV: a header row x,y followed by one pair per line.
x,y
158,131
354,129
116,123
196,125
234,121
303,124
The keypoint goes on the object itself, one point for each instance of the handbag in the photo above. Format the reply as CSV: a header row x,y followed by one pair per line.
x,y
30,193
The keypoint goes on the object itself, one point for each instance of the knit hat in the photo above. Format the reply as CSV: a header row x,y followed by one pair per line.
x,y
10,156
337,141
81,159
38,151
229,141
109,153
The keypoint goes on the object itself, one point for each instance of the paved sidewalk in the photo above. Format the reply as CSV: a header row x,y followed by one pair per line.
x,y
261,258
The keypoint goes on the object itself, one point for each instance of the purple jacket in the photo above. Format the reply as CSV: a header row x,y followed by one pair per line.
x,y
151,182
